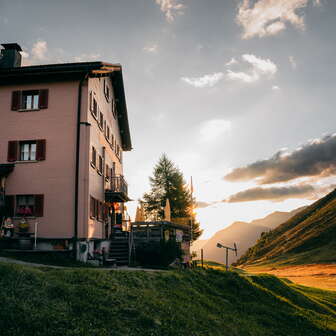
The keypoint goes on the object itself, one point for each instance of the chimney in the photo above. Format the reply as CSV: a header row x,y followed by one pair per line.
x,y
10,56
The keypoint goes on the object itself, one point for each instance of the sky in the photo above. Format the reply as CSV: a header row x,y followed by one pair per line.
x,y
239,94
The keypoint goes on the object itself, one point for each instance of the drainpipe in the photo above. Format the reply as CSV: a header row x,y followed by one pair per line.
x,y
79,123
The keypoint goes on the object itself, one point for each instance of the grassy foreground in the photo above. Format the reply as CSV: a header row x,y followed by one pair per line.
x,y
201,302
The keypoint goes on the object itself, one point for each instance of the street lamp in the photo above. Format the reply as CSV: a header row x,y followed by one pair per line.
x,y
234,248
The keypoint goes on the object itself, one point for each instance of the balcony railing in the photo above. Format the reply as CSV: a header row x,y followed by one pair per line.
x,y
118,190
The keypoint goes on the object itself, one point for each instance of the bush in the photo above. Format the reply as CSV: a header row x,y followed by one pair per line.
x,y
159,254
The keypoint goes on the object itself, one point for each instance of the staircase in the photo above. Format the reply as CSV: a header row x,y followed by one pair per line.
x,y
119,247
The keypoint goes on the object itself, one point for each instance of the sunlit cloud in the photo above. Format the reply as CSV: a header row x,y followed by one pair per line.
x,y
269,17
204,81
171,8
258,68
211,130
316,158
39,50
275,194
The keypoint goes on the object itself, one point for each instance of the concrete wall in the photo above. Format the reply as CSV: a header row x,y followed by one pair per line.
x,y
55,176
97,183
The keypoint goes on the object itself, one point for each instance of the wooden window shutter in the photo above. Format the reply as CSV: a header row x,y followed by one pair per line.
x,y
16,100
10,205
39,204
41,150
12,154
43,99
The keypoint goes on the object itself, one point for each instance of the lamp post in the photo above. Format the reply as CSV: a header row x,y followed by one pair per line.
x,y
234,248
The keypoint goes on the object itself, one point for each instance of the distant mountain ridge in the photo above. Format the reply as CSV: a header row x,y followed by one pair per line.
x,y
308,237
243,234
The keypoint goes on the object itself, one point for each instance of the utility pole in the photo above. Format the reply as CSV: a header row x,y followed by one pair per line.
x,y
219,245
192,209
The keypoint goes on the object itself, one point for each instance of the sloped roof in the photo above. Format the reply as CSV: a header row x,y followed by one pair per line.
x,y
75,71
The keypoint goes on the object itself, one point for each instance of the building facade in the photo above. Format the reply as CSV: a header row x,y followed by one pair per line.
x,y
63,131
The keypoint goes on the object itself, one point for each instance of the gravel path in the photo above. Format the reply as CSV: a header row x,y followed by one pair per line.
x,y
120,268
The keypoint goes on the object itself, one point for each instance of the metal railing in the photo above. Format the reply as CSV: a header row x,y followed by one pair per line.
x,y
118,185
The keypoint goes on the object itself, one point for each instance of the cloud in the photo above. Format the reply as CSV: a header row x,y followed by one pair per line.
x,y
204,81
269,17
231,62
39,50
258,68
317,158
86,57
213,129
275,194
275,88
292,61
151,48
171,8
200,205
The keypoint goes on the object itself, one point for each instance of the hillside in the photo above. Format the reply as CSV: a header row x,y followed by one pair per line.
x,y
39,302
242,233
308,237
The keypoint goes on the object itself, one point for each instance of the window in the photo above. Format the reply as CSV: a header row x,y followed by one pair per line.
x,y
30,100
106,90
107,172
29,205
28,151
97,209
113,170
112,141
100,165
101,120
93,105
107,133
114,108
94,157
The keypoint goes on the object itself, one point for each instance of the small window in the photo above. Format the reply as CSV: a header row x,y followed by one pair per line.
x,y
112,141
25,205
107,133
30,100
114,108
29,205
27,150
106,90
95,108
100,165
94,157
107,172
101,120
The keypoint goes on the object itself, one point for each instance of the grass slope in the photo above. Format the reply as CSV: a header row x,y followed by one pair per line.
x,y
308,237
201,302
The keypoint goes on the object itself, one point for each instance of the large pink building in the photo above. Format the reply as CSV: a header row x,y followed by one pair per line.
x,y
63,131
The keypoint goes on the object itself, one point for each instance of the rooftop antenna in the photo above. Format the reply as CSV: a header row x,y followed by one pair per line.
x,y
227,248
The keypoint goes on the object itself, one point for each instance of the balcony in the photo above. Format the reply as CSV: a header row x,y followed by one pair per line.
x,y
118,191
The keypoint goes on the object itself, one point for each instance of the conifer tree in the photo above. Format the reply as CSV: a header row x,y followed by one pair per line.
x,y
168,182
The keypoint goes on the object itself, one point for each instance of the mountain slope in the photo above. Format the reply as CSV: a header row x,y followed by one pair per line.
x,y
308,237
243,234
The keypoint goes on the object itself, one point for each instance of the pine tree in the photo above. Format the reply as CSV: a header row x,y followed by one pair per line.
x,y
168,182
